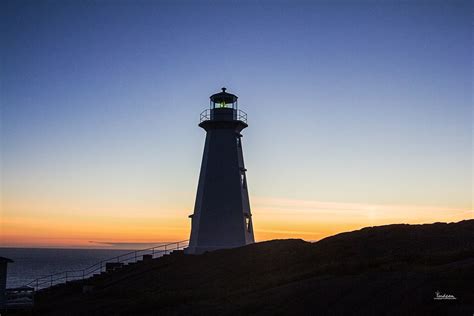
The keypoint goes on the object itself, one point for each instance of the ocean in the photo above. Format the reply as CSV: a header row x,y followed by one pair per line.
x,y
31,263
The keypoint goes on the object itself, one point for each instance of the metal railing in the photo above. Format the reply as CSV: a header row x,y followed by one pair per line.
x,y
239,115
205,115
99,267
242,116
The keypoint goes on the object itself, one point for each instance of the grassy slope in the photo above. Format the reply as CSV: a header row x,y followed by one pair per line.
x,y
392,269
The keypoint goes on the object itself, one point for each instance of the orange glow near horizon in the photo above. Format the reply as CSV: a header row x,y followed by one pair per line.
x,y
358,115
107,227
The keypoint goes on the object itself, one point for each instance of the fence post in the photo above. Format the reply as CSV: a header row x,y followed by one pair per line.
x,y
177,246
83,271
51,278
165,249
66,276
37,285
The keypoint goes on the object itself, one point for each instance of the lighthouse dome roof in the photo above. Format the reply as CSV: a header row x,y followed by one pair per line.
x,y
223,97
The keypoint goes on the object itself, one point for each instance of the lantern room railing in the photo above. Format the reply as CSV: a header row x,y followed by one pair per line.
x,y
239,115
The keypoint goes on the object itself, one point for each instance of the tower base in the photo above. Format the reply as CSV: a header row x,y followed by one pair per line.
x,y
201,250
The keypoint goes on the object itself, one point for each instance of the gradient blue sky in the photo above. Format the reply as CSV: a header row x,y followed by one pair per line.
x,y
352,102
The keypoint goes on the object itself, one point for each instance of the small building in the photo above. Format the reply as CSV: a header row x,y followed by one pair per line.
x,y
3,280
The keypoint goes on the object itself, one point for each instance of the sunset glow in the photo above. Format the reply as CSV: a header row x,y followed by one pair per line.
x,y
276,218
359,115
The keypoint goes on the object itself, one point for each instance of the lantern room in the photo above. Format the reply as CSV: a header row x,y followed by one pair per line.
x,y
223,107
223,100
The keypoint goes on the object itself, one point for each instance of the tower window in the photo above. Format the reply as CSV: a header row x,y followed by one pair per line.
x,y
247,222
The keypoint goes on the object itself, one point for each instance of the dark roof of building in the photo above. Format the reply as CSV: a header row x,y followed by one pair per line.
x,y
223,97
3,259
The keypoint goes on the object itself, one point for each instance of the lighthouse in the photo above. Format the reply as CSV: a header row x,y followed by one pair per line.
x,y
222,217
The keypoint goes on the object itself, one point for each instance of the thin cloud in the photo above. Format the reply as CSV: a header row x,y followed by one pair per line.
x,y
124,245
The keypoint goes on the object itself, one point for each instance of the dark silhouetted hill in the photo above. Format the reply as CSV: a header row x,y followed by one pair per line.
x,y
386,270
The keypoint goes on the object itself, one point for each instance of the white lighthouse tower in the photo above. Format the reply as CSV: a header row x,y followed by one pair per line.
x,y
222,217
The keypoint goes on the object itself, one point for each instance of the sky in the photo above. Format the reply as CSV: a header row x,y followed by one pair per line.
x,y
359,112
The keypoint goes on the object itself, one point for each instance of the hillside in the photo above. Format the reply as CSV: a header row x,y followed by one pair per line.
x,y
388,270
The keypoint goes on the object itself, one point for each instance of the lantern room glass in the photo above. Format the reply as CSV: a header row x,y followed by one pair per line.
x,y
223,104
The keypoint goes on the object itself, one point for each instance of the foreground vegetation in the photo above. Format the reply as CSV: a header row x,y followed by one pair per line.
x,y
386,270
